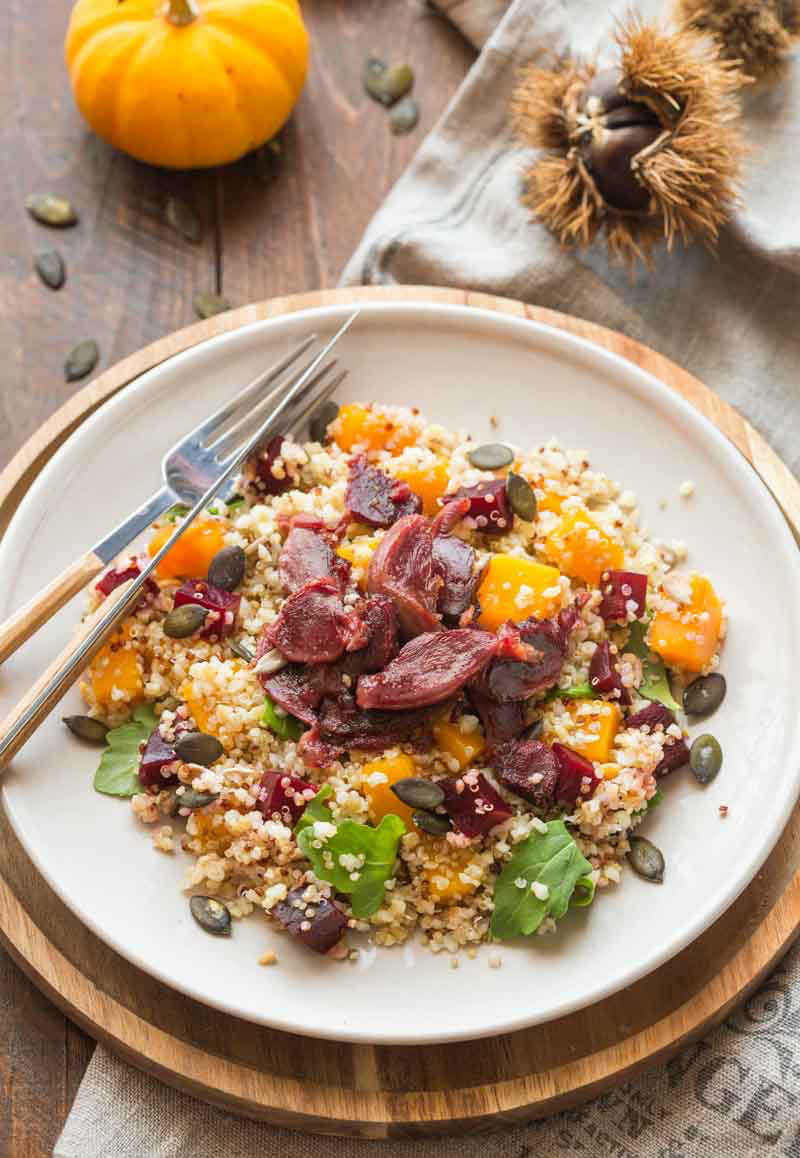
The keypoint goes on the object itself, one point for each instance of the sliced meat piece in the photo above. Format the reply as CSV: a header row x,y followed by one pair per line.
x,y
501,722
528,768
316,752
428,670
309,554
376,499
319,925
344,725
450,515
472,804
519,679
313,626
296,689
380,621
454,563
402,569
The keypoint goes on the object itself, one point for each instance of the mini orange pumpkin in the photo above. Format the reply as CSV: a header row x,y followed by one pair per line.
x,y
186,83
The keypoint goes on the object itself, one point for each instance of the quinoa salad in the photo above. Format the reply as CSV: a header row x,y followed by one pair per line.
x,y
403,682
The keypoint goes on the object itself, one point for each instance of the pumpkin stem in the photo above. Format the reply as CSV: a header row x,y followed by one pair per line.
x,y
180,12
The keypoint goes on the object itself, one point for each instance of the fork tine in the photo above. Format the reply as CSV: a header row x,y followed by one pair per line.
x,y
239,402
317,401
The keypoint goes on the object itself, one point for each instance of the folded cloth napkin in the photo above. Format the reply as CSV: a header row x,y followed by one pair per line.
x,y
455,219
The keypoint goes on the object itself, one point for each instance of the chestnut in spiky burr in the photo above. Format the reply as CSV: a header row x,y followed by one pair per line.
x,y
760,34
645,151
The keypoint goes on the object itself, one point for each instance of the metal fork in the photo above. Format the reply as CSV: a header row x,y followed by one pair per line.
x,y
218,459
188,469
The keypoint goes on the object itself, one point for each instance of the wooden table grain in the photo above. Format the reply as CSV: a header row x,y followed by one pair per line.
x,y
130,279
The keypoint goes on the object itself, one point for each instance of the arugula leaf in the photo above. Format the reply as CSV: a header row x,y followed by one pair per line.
x,y
285,727
583,691
235,503
583,894
549,858
117,772
655,683
654,800
178,511
316,809
376,849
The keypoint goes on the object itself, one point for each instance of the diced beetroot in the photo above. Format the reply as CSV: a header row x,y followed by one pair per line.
x,y
115,578
155,757
576,776
472,804
604,675
653,716
325,921
262,464
489,509
500,722
676,754
376,499
619,588
428,670
529,768
222,606
283,797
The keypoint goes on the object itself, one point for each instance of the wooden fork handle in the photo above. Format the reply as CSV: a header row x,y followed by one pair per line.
x,y
25,622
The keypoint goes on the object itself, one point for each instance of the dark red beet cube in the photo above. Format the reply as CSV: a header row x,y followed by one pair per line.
x,y
676,754
653,716
155,757
576,776
283,797
604,675
262,464
472,804
489,508
619,587
326,922
222,606
115,578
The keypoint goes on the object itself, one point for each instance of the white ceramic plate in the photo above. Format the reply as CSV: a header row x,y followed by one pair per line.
x,y
460,366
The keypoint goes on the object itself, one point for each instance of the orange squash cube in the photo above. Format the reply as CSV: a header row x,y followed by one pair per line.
x,y
443,868
581,549
430,483
365,428
516,588
689,637
358,553
193,552
116,668
196,706
596,724
464,746
381,801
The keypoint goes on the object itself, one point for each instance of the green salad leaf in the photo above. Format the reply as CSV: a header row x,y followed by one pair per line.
x,y
316,809
178,511
284,726
551,859
654,800
373,852
655,683
117,772
582,691
583,894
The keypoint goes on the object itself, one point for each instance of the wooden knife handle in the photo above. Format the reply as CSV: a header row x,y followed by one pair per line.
x,y
25,622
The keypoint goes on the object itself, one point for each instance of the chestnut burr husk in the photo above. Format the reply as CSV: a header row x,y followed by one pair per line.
x,y
759,34
645,151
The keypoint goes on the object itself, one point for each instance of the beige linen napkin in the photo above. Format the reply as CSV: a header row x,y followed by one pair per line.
x,y
454,219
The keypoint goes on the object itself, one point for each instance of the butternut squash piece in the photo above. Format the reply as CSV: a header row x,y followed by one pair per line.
x,y
196,706
358,553
381,801
596,724
689,637
516,588
443,870
116,669
430,483
464,746
581,549
192,554
363,428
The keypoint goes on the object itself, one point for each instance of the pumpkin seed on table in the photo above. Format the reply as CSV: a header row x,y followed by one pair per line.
x,y
184,621
418,793
207,305
432,822
704,695
191,800
646,860
491,456
404,116
198,748
323,417
521,498
87,728
49,264
211,915
184,219
240,648
81,360
48,209
387,83
226,569
705,758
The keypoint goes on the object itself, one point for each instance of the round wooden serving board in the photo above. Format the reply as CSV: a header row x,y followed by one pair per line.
x,y
385,1091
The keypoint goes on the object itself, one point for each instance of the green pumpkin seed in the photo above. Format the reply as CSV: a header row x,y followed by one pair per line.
x,y
49,264
268,160
645,859
184,621
404,116
206,305
323,417
184,219
705,758
211,915
704,695
387,83
418,793
240,648
81,360
226,569
87,728
521,498
192,801
48,209
432,822
491,456
198,748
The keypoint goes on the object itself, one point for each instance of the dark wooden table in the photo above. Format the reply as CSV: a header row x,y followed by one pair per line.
x,y
131,279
